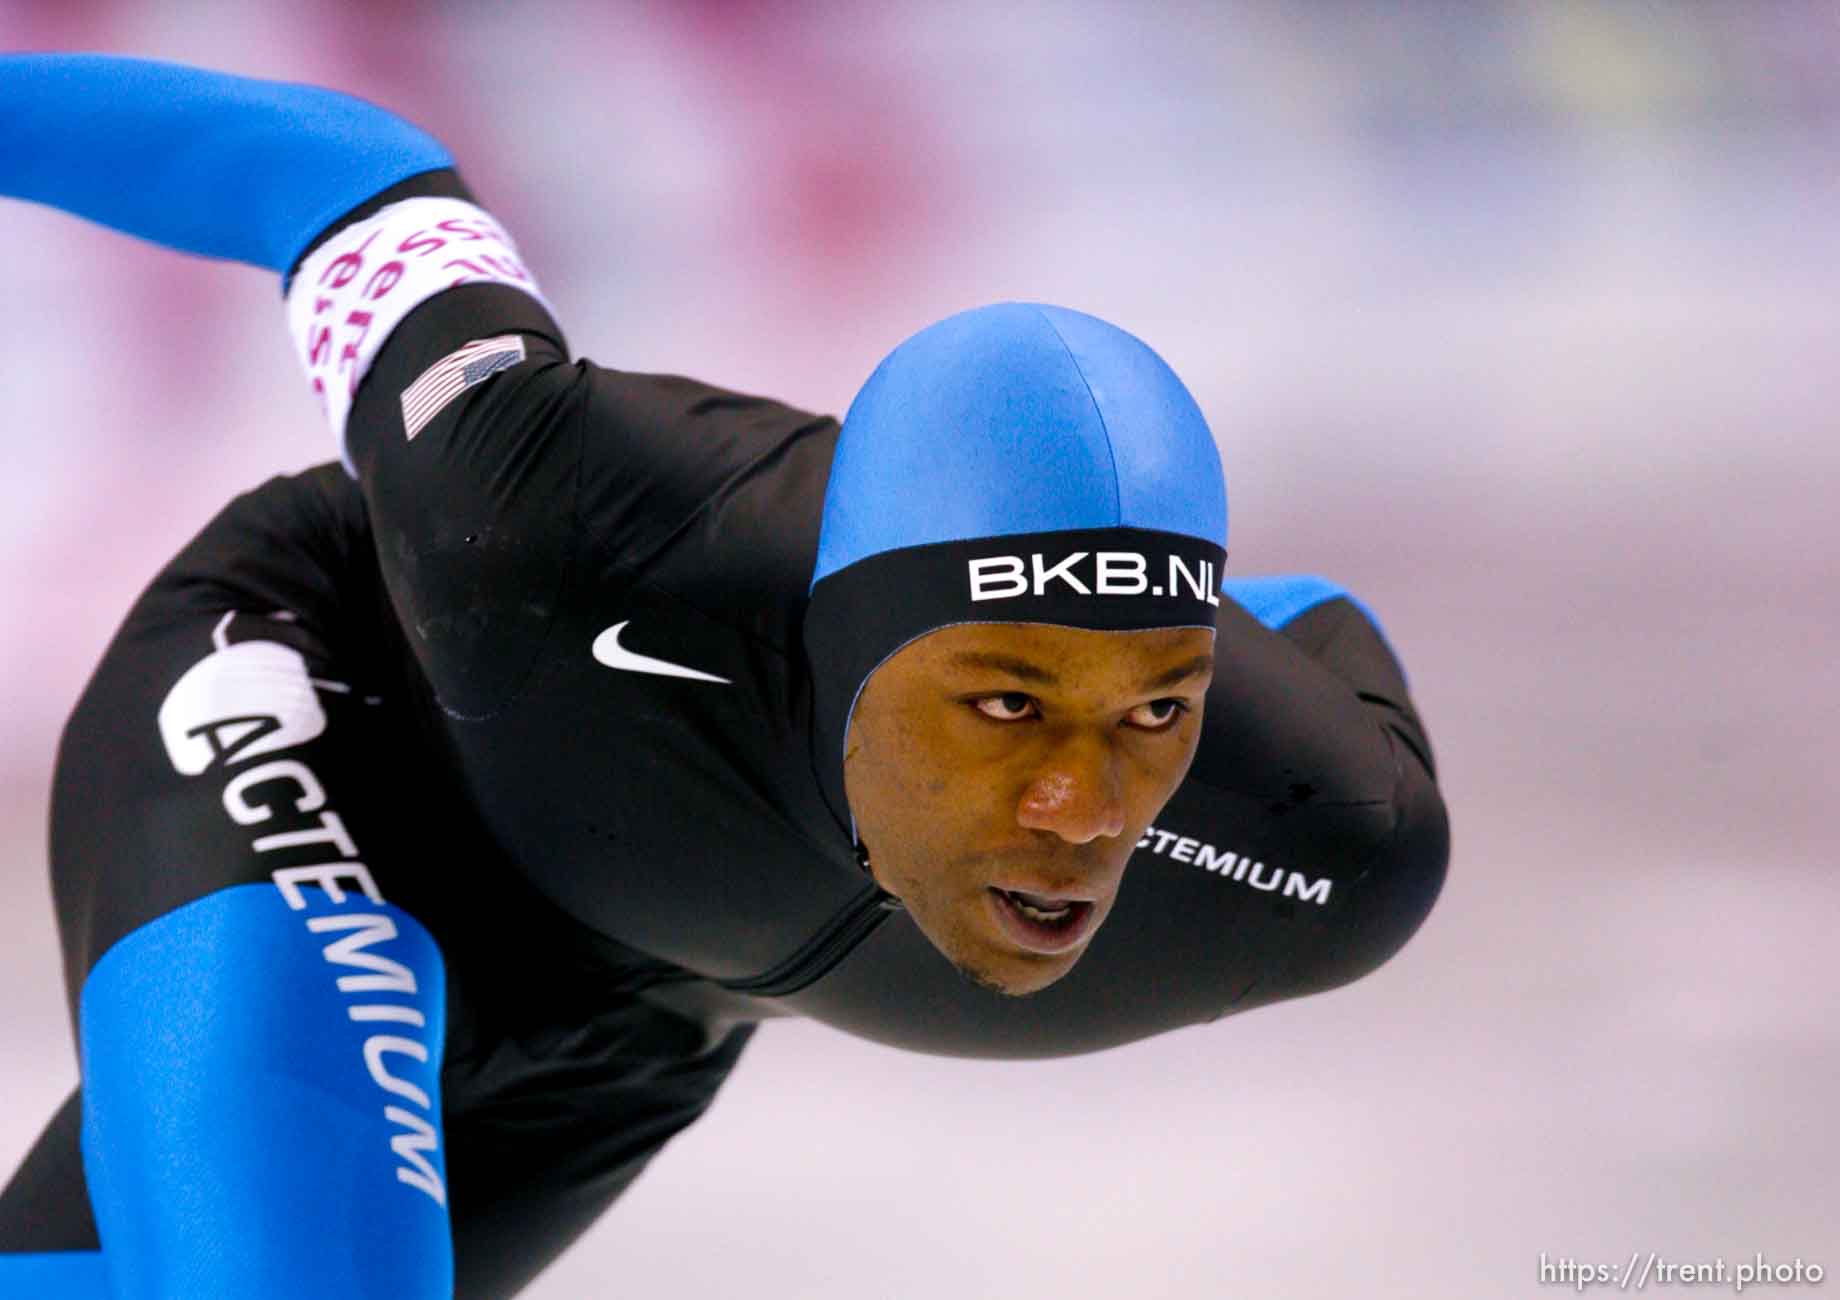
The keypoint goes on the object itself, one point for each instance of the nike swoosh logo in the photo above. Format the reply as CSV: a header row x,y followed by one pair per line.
x,y
609,651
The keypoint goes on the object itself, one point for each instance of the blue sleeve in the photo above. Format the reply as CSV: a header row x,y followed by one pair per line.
x,y
261,1102
1276,601
1281,600
200,161
68,1275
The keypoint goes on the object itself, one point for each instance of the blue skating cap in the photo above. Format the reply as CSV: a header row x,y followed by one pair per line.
x,y
1016,463
1018,418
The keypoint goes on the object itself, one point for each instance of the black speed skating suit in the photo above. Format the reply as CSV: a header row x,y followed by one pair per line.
x,y
624,871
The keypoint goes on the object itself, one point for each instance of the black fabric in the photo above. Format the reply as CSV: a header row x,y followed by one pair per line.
x,y
1337,635
45,1205
561,1077
1299,779
289,565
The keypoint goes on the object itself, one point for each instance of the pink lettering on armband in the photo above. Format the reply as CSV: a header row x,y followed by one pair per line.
x,y
359,285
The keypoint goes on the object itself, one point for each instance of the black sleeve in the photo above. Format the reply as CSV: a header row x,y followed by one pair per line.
x,y
1397,884
476,519
1313,781
470,478
1337,635
505,483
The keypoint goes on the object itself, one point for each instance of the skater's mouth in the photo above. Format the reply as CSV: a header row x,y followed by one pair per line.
x,y
1042,923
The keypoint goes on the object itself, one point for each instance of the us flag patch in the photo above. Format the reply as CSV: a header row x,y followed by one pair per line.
x,y
453,374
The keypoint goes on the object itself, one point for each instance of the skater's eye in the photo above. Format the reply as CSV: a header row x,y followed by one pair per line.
x,y
1157,715
1011,706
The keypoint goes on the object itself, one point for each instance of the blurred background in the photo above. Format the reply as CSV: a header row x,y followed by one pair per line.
x,y
1518,319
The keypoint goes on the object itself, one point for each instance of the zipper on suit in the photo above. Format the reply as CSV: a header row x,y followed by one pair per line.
x,y
822,951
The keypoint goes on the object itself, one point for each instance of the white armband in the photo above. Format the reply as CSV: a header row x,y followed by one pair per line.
x,y
360,284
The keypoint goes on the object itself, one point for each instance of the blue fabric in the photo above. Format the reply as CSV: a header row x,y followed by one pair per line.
x,y
1018,418
1276,601
68,1275
234,1139
201,161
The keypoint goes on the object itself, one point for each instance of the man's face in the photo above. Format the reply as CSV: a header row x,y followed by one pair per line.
x,y
1001,774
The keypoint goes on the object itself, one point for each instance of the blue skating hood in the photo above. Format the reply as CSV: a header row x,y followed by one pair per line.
x,y
1013,463
1018,418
